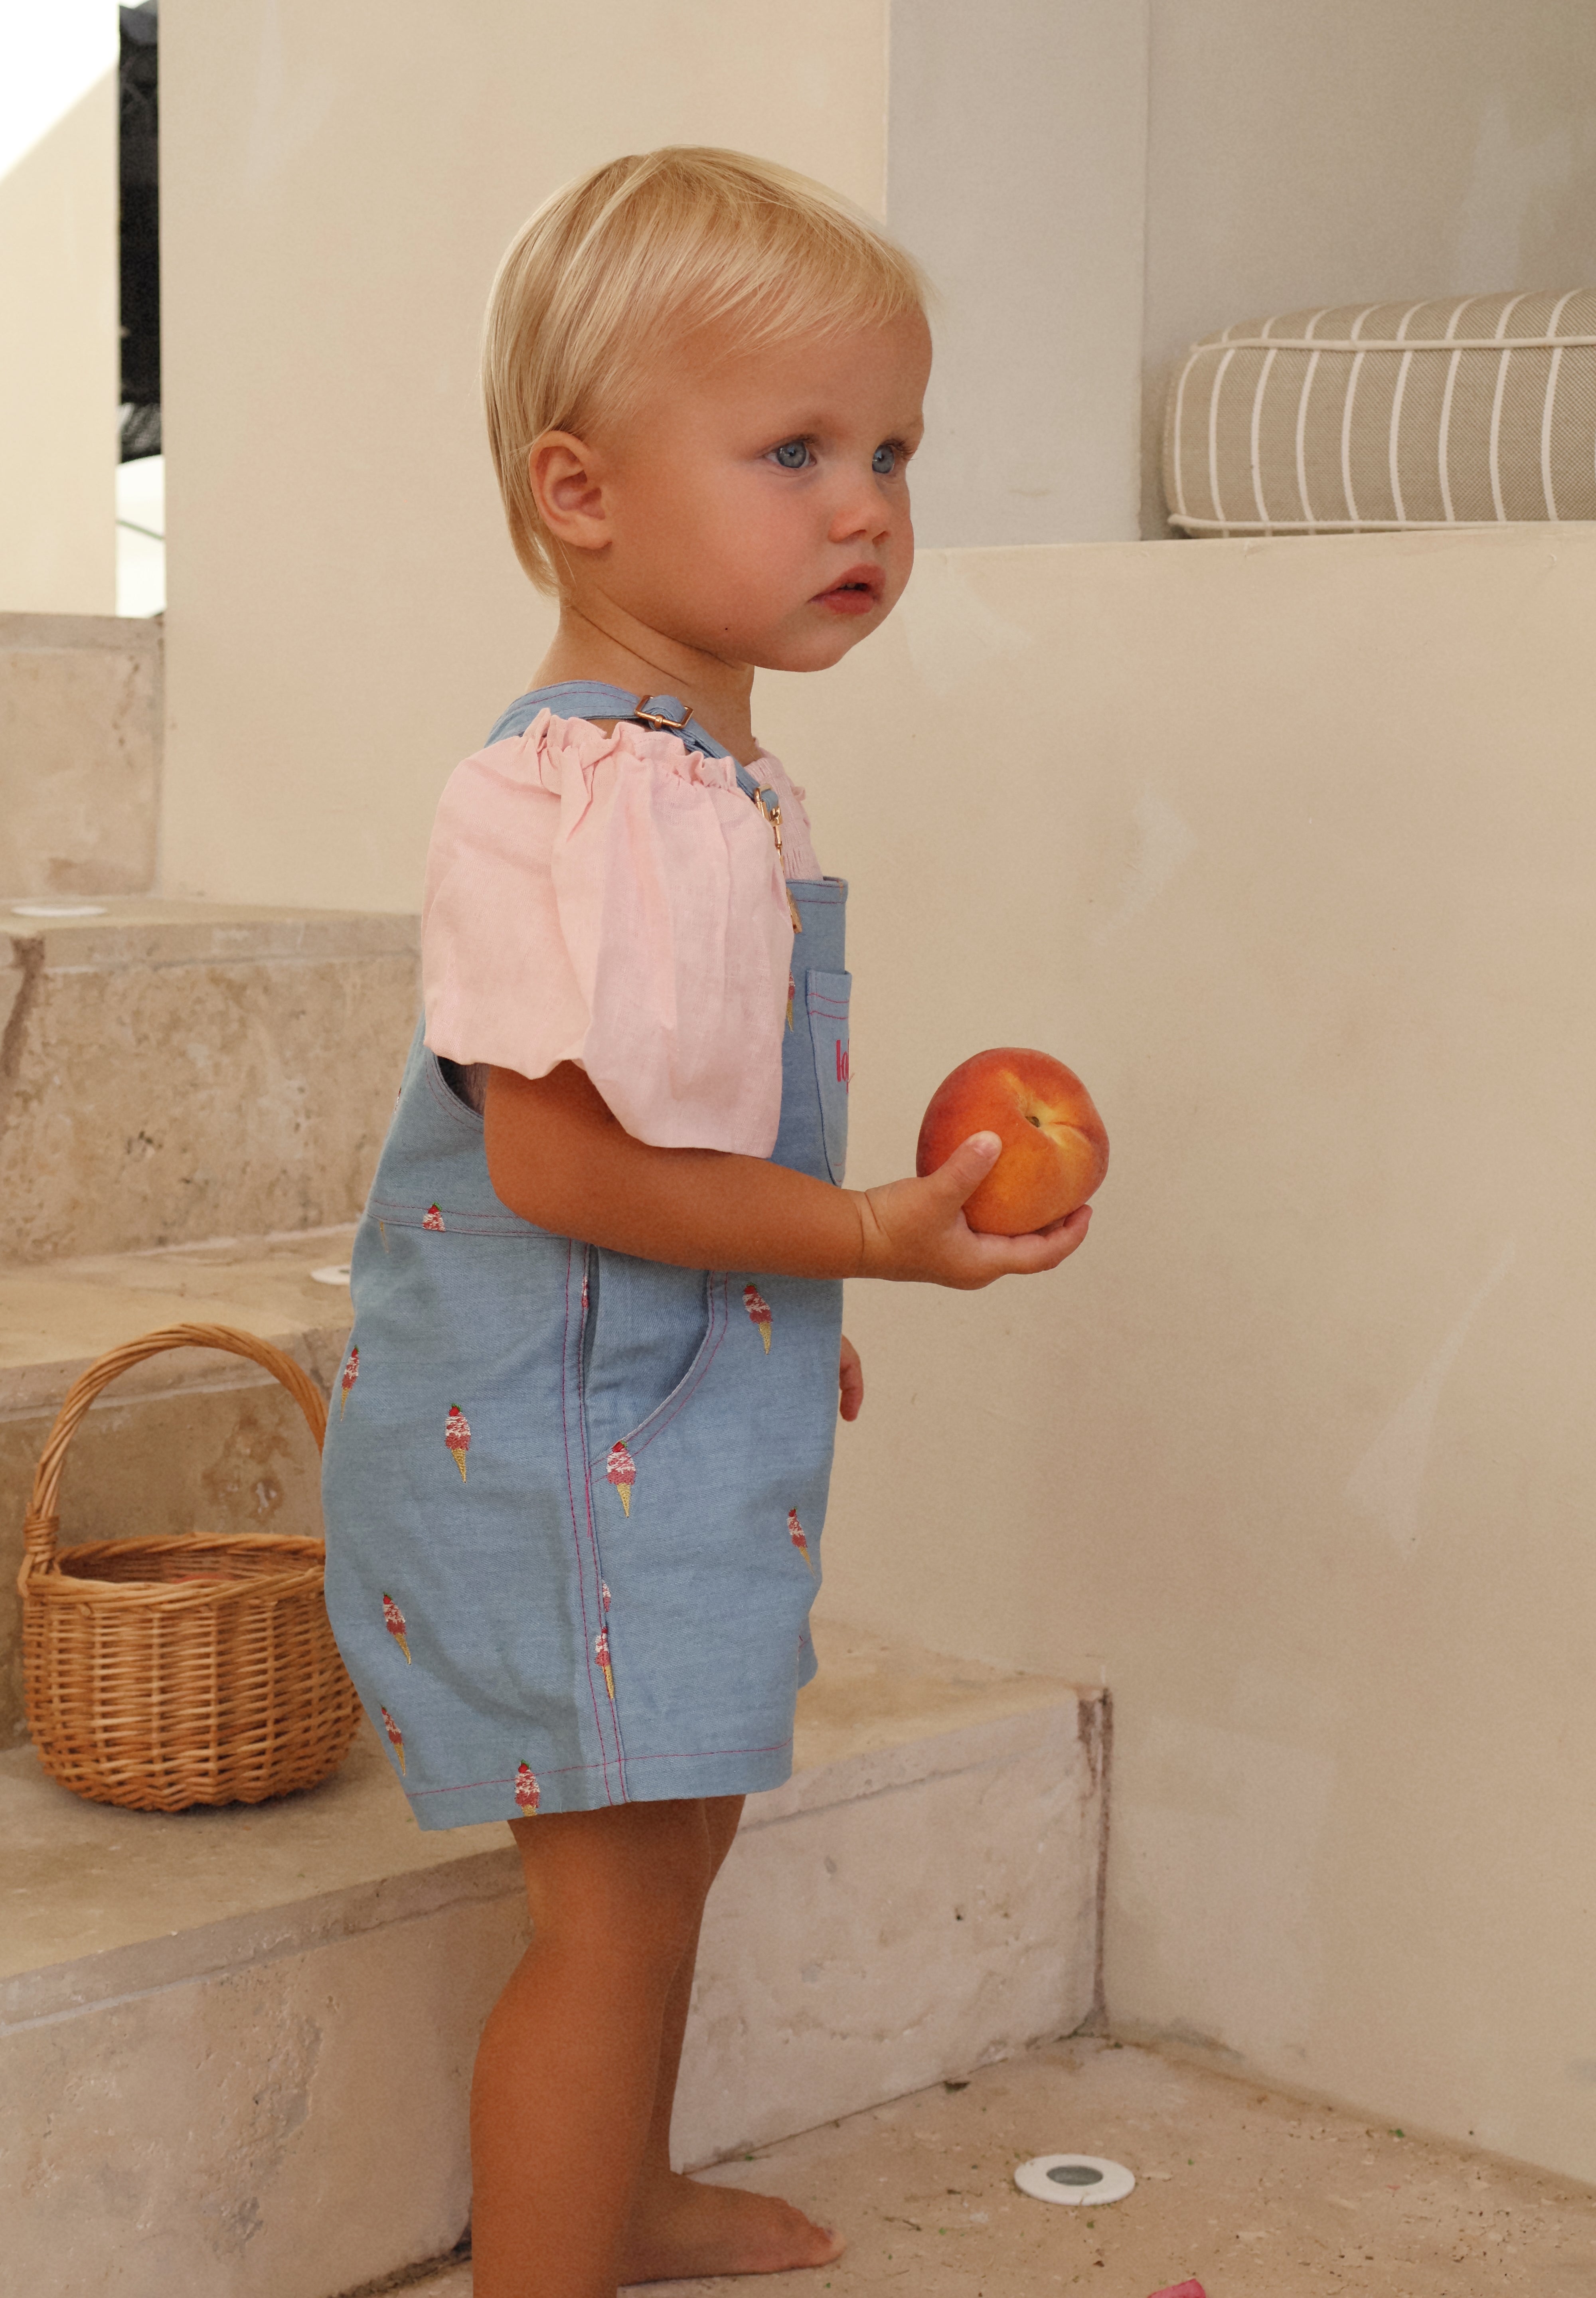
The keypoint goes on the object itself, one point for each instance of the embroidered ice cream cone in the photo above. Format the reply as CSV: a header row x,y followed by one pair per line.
x,y
791,993
396,1738
456,1436
395,1620
794,1532
433,1218
602,1654
621,1469
351,1374
528,1794
759,1308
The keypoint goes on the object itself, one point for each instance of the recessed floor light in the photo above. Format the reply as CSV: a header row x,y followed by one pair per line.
x,y
57,909
1073,2179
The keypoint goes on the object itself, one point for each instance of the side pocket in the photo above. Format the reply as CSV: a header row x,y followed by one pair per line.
x,y
827,996
622,1460
651,1333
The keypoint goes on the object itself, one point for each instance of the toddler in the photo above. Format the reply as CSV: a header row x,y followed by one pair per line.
x,y
577,1477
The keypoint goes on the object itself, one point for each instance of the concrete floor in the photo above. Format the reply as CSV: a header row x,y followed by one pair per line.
x,y
1256,2195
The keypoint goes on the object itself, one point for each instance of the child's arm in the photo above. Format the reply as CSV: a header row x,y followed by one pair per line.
x,y
558,1158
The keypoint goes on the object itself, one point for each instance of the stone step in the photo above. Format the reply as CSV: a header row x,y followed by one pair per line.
x,y
171,1072
235,2046
191,1440
80,741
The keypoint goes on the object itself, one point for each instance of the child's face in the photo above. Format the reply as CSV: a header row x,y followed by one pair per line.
x,y
758,505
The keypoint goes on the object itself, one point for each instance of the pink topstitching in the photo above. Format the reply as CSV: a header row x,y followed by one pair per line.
x,y
665,1756
575,1529
592,1535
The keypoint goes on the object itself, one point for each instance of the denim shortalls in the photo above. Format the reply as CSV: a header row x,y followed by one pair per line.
x,y
574,1500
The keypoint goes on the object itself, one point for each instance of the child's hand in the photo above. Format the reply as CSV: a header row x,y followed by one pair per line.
x,y
558,1157
850,1380
917,1230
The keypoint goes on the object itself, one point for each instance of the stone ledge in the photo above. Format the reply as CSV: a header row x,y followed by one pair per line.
x,y
139,635
171,1072
252,2030
144,931
916,1752
107,1904
208,1949
120,1975
104,1902
54,1321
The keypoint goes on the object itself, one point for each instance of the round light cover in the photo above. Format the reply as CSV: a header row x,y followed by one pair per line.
x,y
1073,2179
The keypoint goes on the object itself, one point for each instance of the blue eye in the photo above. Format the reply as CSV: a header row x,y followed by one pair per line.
x,y
792,454
884,462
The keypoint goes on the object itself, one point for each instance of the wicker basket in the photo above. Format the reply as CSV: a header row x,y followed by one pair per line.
x,y
195,1669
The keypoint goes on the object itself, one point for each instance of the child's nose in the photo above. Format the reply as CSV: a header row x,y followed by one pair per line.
x,y
861,509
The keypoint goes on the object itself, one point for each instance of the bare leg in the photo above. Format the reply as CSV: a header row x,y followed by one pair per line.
x,y
722,1817
680,2229
566,2073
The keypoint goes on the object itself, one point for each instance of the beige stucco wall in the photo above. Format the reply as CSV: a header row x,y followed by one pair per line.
x,y
59,373
344,614
1016,170
1288,849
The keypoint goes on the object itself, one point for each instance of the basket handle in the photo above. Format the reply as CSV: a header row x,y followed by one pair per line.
x,y
42,1524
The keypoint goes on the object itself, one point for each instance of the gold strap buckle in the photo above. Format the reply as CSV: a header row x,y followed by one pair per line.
x,y
770,807
659,720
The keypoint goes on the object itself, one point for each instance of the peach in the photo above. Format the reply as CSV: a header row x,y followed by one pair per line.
x,y
1054,1148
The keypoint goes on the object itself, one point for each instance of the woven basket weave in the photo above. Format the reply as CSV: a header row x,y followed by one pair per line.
x,y
195,1669
1473,410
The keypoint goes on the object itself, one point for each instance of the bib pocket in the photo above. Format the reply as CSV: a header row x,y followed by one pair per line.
x,y
826,996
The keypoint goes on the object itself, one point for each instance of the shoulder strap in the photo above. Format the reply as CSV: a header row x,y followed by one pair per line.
x,y
591,698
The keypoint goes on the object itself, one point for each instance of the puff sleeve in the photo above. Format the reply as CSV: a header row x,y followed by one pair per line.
x,y
615,900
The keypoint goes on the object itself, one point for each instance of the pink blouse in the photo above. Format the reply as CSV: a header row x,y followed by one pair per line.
x,y
613,899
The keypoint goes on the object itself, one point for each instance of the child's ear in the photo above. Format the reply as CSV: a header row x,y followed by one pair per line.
x,y
567,486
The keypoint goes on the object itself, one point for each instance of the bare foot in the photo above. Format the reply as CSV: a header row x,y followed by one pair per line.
x,y
681,2230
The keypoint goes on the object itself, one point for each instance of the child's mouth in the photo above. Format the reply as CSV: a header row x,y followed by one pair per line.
x,y
856,594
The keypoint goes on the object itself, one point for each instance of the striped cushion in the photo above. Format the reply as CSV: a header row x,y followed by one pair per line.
x,y
1462,412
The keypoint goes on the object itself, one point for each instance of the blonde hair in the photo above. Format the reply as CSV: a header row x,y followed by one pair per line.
x,y
643,251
